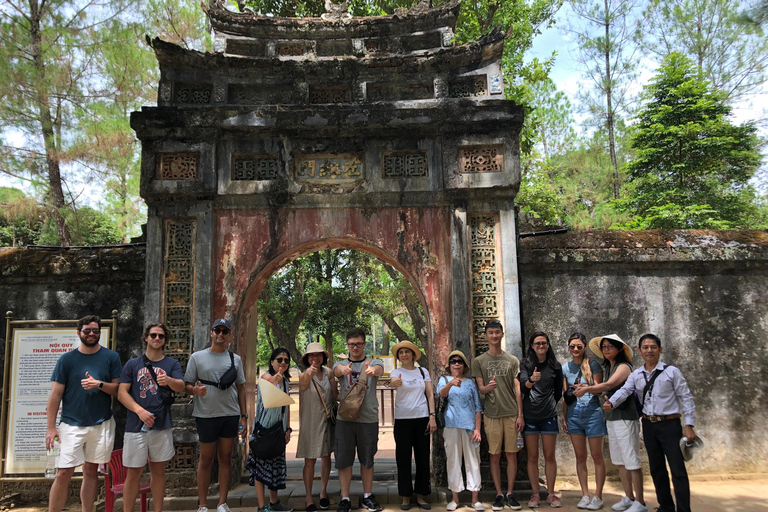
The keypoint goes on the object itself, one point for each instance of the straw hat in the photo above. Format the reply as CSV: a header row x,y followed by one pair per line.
x,y
594,346
689,448
407,344
461,355
272,396
313,348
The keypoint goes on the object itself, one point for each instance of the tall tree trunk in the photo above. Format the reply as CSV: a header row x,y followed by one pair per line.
x,y
609,120
52,157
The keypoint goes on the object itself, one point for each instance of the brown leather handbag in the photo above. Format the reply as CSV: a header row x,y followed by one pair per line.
x,y
349,408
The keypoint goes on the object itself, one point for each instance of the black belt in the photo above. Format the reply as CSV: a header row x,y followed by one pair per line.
x,y
656,419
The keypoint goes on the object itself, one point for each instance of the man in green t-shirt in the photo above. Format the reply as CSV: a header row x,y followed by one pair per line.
x,y
497,376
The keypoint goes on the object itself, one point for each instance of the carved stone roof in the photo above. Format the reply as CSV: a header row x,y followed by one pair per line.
x,y
420,18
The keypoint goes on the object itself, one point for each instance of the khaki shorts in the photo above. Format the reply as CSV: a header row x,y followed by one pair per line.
x,y
501,430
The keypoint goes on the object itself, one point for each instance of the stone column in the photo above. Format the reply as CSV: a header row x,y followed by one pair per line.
x,y
202,212
511,284
462,332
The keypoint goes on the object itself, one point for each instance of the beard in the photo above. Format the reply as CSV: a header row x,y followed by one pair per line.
x,y
88,343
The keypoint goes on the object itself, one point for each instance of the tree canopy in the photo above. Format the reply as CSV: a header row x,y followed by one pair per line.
x,y
692,165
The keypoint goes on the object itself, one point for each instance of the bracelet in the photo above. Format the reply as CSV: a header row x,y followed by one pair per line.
x,y
289,429
431,414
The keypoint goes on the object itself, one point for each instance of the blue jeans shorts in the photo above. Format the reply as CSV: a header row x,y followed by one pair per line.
x,y
546,426
587,421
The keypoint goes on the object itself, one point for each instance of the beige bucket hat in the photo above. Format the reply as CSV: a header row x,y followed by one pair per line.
x,y
313,348
461,355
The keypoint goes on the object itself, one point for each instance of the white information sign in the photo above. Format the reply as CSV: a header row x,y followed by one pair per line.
x,y
34,355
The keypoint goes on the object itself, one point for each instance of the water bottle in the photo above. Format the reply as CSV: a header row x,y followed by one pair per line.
x,y
241,435
50,460
520,442
474,444
145,428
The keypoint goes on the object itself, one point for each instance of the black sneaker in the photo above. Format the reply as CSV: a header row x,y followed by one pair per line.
x,y
344,506
512,503
325,503
498,503
371,504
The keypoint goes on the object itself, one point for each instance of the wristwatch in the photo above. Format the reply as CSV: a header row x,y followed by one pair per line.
x,y
431,414
101,384
244,416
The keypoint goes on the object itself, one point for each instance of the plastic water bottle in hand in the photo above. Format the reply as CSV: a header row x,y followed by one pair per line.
x,y
50,460
145,428
520,442
241,435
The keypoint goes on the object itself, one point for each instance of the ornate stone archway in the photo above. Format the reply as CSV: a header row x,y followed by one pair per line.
x,y
378,133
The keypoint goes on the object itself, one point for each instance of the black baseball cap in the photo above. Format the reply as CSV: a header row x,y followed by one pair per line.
x,y
221,322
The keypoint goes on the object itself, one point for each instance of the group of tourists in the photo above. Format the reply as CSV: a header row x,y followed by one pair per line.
x,y
515,402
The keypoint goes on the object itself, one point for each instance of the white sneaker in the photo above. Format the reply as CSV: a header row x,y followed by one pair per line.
x,y
452,505
624,504
595,504
223,508
202,509
584,503
478,506
637,507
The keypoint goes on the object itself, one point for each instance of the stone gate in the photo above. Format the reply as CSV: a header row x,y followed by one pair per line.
x,y
378,134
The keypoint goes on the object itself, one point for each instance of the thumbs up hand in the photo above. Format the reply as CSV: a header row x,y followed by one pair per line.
x,y
492,385
89,382
396,382
199,389
370,370
536,376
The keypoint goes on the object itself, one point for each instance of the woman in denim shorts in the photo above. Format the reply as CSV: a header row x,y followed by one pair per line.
x,y
583,420
541,379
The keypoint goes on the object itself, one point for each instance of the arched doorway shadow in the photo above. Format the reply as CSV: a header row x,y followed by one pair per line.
x,y
247,317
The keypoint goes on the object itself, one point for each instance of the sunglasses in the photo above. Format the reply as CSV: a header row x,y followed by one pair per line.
x,y
89,331
281,360
456,361
575,347
221,330
155,335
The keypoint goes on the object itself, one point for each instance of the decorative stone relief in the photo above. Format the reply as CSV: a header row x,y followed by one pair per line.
x,y
248,167
219,44
271,49
330,94
476,159
165,91
184,457
176,166
329,168
220,93
447,38
377,45
469,87
496,87
358,45
485,290
193,94
405,164
179,287
292,49
386,91
441,87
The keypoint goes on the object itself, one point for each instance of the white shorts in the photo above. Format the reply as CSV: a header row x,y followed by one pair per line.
x,y
157,445
624,443
86,444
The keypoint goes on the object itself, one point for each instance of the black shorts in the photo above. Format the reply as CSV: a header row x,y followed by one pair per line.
x,y
209,430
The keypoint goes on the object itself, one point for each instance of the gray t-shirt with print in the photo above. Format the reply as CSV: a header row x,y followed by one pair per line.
x,y
208,365
369,412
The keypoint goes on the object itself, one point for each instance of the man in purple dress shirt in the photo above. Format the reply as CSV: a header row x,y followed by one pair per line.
x,y
661,421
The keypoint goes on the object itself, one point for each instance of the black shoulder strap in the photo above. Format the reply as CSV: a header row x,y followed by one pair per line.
x,y
148,366
649,384
231,365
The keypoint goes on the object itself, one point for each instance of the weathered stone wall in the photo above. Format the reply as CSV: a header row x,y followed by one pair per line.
x,y
705,294
56,284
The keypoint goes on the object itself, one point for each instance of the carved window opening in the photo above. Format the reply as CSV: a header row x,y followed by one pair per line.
x,y
179,288
405,164
330,94
254,166
193,94
484,270
185,457
474,159
468,87
176,166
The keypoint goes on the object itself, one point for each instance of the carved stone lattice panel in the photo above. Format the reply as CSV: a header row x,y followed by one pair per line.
x,y
292,49
184,458
253,166
179,288
176,166
165,91
468,87
377,45
329,168
405,164
329,94
475,159
193,94
485,291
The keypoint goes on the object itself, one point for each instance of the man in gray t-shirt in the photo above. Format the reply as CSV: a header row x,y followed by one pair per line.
x,y
218,413
362,434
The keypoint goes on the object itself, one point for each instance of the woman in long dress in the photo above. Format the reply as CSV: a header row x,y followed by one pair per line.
x,y
317,394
